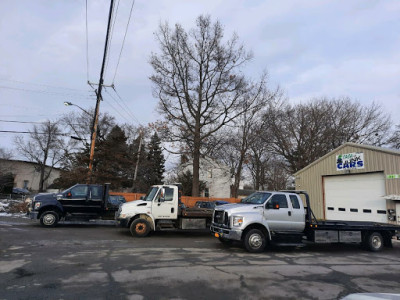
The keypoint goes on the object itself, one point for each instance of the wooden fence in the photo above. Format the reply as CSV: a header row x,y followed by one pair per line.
x,y
188,201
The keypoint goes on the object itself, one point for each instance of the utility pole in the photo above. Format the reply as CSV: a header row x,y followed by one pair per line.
x,y
99,98
138,156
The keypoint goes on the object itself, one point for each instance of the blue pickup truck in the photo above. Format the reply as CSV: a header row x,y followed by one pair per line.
x,y
79,202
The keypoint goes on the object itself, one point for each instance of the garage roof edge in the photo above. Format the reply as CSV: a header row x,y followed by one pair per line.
x,y
373,148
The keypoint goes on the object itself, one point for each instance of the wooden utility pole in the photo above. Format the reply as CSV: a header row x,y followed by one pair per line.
x,y
99,98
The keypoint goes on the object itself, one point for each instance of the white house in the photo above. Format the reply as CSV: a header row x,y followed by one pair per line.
x,y
27,174
217,177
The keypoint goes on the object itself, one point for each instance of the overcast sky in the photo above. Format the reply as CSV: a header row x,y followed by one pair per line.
x,y
311,48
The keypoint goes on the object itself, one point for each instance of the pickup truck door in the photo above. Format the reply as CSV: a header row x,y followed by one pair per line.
x,y
94,203
278,214
74,200
165,204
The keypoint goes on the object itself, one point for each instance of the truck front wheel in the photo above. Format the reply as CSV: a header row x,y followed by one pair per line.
x,y
374,242
49,219
140,228
254,241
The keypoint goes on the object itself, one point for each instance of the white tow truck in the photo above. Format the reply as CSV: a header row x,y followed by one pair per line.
x,y
161,209
281,218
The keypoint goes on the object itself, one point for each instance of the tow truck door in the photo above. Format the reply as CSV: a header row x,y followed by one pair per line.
x,y
165,203
280,216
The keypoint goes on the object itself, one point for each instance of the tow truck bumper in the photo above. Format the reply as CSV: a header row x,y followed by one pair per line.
x,y
121,222
226,233
33,215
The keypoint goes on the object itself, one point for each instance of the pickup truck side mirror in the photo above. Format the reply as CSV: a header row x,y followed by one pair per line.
x,y
273,204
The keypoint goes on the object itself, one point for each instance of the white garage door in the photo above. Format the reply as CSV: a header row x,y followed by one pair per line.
x,y
355,197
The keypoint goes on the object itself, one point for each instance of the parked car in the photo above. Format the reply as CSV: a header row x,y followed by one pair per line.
x,y
116,199
209,204
20,191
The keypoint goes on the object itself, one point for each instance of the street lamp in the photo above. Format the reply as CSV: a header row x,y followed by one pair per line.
x,y
66,103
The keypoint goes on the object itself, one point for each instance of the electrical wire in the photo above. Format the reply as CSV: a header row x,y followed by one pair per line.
x,y
123,42
44,85
117,111
111,34
87,44
45,92
125,109
126,106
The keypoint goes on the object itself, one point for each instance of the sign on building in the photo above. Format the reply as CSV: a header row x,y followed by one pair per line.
x,y
349,161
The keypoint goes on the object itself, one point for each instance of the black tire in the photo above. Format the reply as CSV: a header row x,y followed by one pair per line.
x,y
140,228
49,218
225,242
254,241
374,242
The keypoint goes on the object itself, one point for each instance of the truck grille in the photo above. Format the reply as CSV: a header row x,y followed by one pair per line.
x,y
221,217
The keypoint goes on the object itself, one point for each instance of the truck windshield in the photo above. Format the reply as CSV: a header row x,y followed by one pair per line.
x,y
150,195
256,198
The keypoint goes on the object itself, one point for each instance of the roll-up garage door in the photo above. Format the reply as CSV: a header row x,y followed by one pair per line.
x,y
357,197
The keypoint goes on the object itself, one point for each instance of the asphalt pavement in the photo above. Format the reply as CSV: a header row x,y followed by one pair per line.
x,y
96,260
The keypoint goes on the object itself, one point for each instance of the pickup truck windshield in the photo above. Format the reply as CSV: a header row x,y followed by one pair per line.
x,y
256,198
150,195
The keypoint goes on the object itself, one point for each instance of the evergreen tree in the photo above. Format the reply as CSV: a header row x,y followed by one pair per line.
x,y
114,161
156,161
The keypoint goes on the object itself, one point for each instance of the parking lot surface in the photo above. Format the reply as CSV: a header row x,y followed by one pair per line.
x,y
99,261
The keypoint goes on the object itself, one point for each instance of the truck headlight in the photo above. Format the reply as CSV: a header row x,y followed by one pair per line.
x,y
237,221
37,205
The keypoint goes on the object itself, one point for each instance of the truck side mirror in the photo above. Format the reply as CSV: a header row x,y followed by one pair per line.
x,y
162,195
275,204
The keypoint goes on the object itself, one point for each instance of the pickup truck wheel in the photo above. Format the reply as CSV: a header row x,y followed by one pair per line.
x,y
375,242
140,228
255,241
49,219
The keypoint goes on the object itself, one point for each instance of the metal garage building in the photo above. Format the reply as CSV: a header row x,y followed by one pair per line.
x,y
354,182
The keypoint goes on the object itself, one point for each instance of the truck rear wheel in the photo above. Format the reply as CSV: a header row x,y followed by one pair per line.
x,y
254,241
49,219
374,242
140,228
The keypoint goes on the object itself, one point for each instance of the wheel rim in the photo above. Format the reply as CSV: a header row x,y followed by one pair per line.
x,y
49,219
255,241
140,228
376,242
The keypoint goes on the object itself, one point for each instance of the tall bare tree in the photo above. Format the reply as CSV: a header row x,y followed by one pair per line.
x,y
45,147
303,133
197,78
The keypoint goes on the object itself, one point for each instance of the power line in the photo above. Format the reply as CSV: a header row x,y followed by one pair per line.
x,y
112,32
45,85
28,132
87,43
44,92
21,122
126,105
123,42
126,108
117,111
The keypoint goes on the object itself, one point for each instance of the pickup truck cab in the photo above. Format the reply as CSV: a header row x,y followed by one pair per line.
x,y
81,201
281,218
161,209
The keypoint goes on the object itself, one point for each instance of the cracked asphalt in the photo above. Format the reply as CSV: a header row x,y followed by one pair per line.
x,y
100,261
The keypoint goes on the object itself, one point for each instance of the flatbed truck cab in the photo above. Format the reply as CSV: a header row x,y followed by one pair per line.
x,y
281,218
161,209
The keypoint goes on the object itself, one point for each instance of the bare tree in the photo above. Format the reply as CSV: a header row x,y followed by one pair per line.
x,y
238,138
394,140
304,132
44,147
198,82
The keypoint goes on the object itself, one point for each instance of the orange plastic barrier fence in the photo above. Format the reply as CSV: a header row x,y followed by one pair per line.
x,y
188,201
